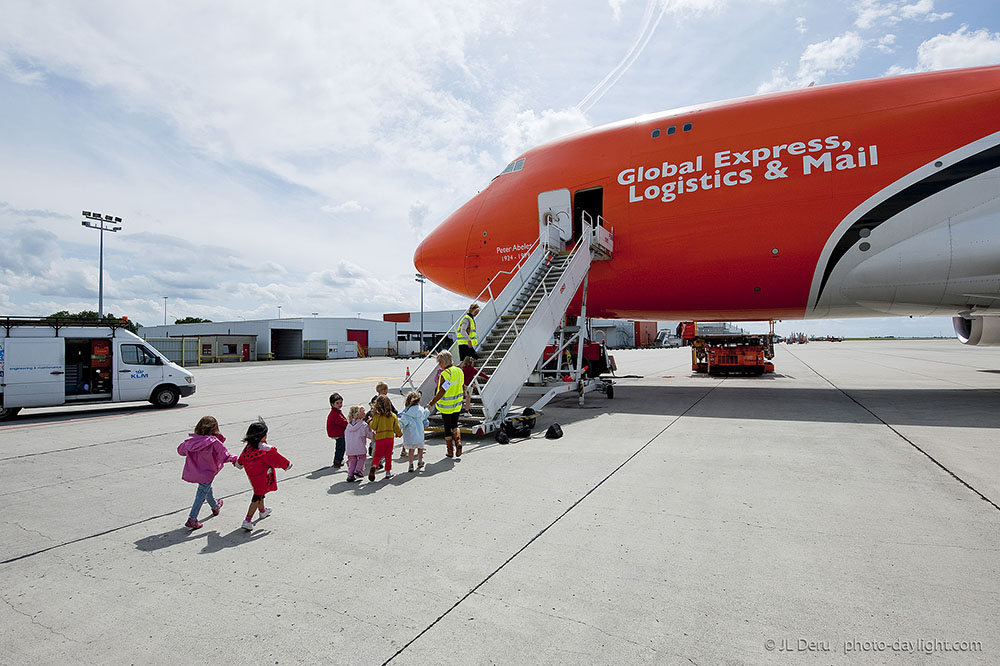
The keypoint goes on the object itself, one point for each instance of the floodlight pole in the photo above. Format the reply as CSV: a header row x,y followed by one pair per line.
x,y
165,310
93,217
421,279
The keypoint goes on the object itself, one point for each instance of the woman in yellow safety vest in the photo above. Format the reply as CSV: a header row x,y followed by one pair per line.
x,y
467,334
450,397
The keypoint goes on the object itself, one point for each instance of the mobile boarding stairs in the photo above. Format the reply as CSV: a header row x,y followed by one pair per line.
x,y
516,325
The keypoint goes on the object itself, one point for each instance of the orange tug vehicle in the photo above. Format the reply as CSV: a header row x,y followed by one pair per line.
x,y
727,352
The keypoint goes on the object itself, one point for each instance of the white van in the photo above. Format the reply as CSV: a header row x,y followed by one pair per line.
x,y
47,362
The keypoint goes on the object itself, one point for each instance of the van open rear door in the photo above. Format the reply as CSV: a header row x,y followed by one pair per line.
x,y
34,372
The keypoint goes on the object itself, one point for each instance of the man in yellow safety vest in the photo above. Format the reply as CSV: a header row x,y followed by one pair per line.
x,y
450,397
467,341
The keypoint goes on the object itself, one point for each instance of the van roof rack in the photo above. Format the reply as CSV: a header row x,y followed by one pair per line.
x,y
9,322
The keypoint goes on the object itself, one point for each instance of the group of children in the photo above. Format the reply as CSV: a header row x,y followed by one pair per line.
x,y
206,453
380,426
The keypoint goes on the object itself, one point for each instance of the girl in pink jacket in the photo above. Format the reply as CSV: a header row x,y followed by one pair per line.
x,y
206,454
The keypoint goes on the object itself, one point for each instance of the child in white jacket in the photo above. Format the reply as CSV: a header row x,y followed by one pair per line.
x,y
411,421
356,435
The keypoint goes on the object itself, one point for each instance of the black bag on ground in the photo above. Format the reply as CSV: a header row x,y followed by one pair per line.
x,y
516,428
554,432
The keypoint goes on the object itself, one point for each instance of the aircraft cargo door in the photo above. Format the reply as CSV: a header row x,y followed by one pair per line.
x,y
555,218
34,372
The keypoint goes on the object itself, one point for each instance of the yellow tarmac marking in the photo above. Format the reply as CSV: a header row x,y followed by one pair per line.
x,y
357,380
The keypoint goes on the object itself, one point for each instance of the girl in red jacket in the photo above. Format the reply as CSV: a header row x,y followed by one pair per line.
x,y
259,460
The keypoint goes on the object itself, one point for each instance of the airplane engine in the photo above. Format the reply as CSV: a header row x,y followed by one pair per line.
x,y
984,331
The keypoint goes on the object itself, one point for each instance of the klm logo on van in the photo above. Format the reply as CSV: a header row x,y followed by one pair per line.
x,y
139,374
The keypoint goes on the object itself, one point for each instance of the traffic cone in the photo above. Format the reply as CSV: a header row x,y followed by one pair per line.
x,y
407,372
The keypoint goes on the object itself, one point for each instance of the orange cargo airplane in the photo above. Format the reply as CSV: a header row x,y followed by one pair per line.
x,y
851,200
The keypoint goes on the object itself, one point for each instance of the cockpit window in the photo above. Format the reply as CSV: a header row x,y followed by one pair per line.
x,y
516,165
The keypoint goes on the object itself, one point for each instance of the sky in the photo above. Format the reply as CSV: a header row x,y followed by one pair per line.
x,y
294,154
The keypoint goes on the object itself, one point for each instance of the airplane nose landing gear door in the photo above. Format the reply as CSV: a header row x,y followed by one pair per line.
x,y
555,218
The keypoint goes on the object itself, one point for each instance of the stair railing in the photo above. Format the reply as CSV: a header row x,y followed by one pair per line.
x,y
583,241
492,314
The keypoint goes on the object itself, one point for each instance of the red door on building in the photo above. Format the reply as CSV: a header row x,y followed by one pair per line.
x,y
246,352
361,337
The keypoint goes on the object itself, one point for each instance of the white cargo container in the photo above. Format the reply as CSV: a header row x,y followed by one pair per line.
x,y
44,363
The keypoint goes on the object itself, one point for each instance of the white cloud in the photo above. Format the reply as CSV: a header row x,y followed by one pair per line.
x,y
346,207
616,9
959,49
418,216
885,44
800,25
6,304
7,209
527,128
287,90
923,9
834,56
873,12
28,251
693,7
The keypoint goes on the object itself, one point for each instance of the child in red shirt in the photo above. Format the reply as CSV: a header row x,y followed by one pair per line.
x,y
335,424
259,460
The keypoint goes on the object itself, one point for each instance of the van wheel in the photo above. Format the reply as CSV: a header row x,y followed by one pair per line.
x,y
164,397
8,412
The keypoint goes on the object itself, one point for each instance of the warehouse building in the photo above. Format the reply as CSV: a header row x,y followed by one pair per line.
x,y
302,337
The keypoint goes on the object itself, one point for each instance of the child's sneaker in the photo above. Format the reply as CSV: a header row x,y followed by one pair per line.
x,y
350,478
389,475
420,465
193,524
266,512
247,525
411,468
218,508
371,473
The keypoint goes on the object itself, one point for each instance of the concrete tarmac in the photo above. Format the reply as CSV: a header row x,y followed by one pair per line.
x,y
844,510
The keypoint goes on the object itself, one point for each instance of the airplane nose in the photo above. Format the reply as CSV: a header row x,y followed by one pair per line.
x,y
441,256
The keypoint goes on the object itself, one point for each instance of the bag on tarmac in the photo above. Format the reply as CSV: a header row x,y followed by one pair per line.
x,y
554,432
517,428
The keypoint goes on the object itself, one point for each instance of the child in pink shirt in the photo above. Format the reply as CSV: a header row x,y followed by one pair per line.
x,y
356,435
206,454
